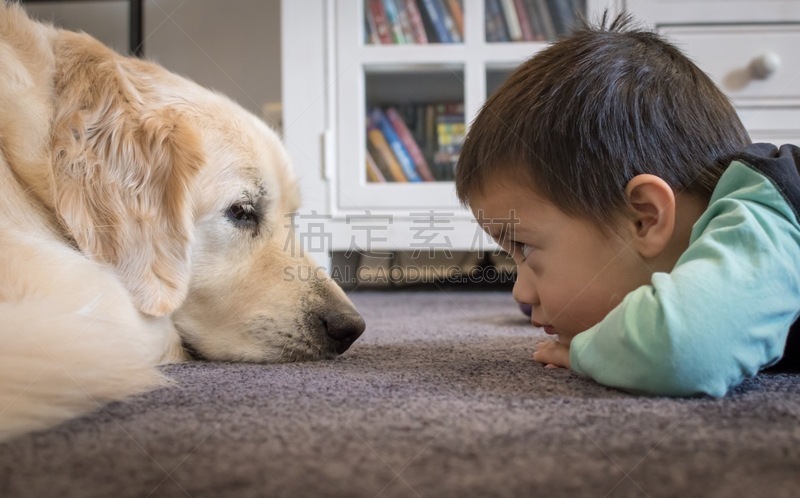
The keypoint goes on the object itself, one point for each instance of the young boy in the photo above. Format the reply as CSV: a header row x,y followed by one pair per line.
x,y
658,247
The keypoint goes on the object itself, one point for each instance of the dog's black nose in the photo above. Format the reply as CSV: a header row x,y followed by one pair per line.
x,y
344,328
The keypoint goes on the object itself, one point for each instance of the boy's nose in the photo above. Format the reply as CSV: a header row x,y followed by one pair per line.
x,y
524,290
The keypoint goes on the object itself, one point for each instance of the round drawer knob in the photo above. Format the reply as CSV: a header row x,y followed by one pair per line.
x,y
765,65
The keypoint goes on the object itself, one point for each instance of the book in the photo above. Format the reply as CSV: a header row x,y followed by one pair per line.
x,y
410,144
512,21
379,149
449,22
495,23
402,156
370,31
415,21
417,116
405,22
394,22
374,173
450,132
546,19
431,11
562,14
381,22
535,20
451,136
524,21
457,12
429,142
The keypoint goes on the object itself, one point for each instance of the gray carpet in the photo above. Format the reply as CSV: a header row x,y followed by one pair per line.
x,y
439,398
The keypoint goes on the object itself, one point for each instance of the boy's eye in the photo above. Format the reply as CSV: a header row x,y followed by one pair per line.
x,y
521,251
526,251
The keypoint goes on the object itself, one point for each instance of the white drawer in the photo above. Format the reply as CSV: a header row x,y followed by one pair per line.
x,y
774,125
715,11
734,55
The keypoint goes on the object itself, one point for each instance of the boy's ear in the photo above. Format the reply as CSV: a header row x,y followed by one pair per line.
x,y
652,223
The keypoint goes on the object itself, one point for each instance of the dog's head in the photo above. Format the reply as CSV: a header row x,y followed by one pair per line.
x,y
190,198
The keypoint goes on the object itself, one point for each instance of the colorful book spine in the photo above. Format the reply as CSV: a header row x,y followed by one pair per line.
x,y
524,21
562,15
512,21
496,30
374,174
415,20
429,143
457,12
393,17
449,22
410,144
383,154
432,8
381,22
451,136
450,131
370,30
535,20
405,22
550,31
400,153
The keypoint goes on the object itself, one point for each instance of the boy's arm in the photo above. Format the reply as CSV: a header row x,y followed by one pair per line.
x,y
720,316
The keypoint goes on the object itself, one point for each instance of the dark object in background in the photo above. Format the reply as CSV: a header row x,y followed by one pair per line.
x,y
135,23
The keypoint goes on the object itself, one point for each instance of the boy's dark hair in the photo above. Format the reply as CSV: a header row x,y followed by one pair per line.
x,y
585,115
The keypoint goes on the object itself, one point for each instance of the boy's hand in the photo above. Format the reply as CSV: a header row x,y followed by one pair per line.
x,y
552,353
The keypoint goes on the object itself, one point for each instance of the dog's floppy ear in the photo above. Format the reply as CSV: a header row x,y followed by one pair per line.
x,y
123,172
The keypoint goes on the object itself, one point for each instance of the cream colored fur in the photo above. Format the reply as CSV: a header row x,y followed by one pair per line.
x,y
138,212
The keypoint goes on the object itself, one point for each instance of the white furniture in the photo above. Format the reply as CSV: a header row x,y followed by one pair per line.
x,y
330,75
325,66
749,48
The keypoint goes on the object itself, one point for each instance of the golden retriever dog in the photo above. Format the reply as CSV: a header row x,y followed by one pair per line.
x,y
143,220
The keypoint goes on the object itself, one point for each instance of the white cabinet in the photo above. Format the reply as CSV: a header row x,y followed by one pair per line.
x,y
335,74
749,48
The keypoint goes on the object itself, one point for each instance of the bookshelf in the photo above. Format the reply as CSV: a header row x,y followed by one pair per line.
x,y
338,70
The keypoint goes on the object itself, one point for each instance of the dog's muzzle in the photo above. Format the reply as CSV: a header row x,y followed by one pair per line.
x,y
343,328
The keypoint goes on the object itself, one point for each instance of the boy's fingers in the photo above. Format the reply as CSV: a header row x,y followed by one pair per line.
x,y
552,354
542,356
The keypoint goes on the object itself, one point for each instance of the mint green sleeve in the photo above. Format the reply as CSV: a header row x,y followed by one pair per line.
x,y
720,316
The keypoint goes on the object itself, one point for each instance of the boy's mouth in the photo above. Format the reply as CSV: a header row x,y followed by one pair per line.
x,y
548,329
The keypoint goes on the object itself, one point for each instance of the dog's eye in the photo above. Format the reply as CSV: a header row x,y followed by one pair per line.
x,y
243,215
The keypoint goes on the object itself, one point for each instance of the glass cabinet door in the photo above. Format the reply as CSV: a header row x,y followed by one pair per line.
x,y
530,20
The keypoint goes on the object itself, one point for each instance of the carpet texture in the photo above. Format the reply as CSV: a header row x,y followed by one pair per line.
x,y
439,398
